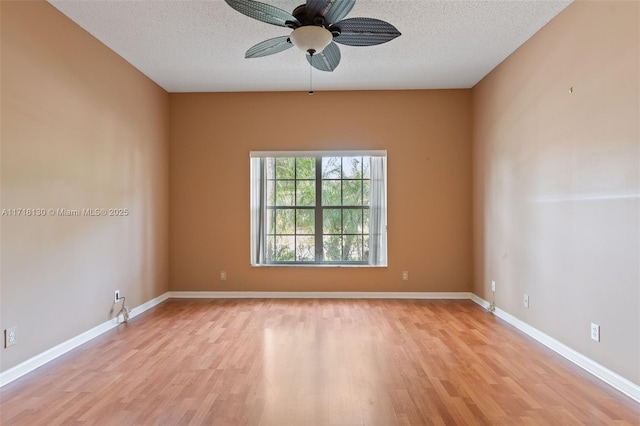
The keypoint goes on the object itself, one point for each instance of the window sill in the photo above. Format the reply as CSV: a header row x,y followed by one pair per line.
x,y
315,265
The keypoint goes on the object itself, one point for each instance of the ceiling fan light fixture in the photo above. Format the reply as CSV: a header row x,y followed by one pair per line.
x,y
311,39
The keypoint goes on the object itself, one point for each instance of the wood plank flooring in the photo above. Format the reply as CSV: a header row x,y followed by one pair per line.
x,y
313,362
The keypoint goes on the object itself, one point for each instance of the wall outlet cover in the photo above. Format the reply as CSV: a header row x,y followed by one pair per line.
x,y
595,332
9,337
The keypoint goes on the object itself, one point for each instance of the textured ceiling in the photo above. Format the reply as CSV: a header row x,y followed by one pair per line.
x,y
199,46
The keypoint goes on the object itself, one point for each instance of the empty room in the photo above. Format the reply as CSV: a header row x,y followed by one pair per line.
x,y
320,212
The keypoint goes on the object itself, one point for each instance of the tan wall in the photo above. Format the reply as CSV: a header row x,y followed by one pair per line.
x,y
556,182
427,135
81,128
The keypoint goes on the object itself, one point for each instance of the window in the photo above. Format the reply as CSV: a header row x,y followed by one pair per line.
x,y
318,208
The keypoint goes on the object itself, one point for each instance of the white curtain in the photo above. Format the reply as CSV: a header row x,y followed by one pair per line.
x,y
378,213
258,199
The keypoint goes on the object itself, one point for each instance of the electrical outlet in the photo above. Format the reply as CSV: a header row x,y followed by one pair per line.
x,y
223,275
493,286
9,337
116,296
405,275
595,332
526,301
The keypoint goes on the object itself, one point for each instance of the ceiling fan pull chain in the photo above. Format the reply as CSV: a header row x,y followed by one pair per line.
x,y
311,74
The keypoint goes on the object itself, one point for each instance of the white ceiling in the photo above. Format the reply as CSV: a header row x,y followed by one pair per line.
x,y
199,46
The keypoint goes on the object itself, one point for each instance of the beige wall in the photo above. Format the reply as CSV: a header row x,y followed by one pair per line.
x,y
427,135
556,182
81,128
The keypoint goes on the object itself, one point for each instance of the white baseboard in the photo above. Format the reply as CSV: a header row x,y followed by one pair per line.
x,y
615,380
315,295
31,364
480,301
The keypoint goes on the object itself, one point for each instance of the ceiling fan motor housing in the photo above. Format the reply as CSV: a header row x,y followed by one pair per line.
x,y
300,13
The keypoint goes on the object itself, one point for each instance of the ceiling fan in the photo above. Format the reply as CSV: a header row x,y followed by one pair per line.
x,y
317,26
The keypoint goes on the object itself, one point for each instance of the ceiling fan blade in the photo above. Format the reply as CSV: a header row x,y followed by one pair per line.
x,y
327,60
365,32
269,47
331,10
263,12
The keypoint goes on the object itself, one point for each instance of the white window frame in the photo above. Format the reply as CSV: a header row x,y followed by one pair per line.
x,y
377,207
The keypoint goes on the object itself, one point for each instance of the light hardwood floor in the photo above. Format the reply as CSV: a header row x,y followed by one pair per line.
x,y
313,362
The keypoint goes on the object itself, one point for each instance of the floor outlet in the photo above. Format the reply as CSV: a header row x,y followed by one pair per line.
x,y
223,275
526,301
595,332
9,337
405,275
